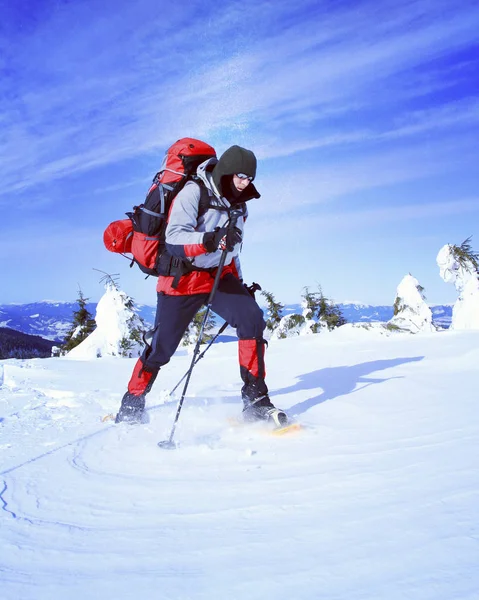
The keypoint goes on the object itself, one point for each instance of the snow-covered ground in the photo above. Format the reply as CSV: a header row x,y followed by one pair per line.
x,y
377,500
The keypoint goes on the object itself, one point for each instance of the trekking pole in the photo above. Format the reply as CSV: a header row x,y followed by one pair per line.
x,y
251,289
169,444
212,341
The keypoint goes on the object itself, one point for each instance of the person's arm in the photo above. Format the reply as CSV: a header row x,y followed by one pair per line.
x,y
182,239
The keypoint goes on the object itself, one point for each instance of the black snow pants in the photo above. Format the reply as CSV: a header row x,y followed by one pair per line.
x,y
234,304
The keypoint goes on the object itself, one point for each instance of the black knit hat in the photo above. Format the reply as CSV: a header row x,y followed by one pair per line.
x,y
234,160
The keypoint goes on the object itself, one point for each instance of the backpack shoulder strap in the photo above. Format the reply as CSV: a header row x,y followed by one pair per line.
x,y
206,196
205,199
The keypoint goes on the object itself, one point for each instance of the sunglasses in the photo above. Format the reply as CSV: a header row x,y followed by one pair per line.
x,y
244,176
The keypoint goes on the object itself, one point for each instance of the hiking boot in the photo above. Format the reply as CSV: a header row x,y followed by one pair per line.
x,y
132,410
262,409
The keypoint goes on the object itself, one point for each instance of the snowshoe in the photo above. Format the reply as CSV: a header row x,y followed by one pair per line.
x,y
262,409
133,416
132,410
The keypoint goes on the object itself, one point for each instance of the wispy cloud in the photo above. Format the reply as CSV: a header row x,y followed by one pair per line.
x,y
453,114
333,60
311,224
319,183
145,81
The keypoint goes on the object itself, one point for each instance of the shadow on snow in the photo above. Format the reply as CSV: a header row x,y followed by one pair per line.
x,y
339,381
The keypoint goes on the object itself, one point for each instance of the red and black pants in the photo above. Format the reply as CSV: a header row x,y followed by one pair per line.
x,y
234,304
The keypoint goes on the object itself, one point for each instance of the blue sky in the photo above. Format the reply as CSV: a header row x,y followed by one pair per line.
x,y
364,117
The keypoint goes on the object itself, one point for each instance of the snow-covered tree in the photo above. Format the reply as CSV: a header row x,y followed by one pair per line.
x,y
411,313
119,330
83,324
310,304
320,312
132,342
191,334
274,311
289,326
460,265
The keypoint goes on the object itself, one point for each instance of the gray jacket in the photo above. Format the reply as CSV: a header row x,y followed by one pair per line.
x,y
185,230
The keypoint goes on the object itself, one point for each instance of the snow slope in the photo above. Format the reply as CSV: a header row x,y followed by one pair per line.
x,y
377,500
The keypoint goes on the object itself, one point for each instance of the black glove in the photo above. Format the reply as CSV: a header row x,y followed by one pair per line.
x,y
222,238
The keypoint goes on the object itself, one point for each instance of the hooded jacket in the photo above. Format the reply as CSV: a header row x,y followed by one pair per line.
x,y
186,229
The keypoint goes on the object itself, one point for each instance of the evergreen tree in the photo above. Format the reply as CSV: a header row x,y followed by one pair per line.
x,y
83,324
460,265
136,328
274,310
191,334
321,310
311,303
289,326
311,309
466,256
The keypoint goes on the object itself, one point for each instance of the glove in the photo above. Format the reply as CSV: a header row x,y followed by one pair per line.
x,y
222,238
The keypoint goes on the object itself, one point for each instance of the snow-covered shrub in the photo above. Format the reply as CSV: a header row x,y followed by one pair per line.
x,y
119,330
411,313
460,265
289,326
320,312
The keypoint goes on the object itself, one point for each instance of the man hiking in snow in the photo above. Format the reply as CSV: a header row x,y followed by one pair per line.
x,y
195,240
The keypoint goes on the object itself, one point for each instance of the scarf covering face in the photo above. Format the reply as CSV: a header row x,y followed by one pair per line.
x,y
235,160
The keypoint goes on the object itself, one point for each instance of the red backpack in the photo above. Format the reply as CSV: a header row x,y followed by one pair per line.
x,y
143,233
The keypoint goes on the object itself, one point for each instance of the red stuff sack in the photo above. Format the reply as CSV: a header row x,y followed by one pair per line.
x,y
118,236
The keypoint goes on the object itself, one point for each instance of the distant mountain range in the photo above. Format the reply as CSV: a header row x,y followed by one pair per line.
x,y
365,313
52,320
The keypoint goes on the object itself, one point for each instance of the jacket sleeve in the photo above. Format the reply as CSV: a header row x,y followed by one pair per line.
x,y
182,239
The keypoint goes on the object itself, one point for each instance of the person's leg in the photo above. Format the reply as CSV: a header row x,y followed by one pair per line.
x,y
236,306
173,315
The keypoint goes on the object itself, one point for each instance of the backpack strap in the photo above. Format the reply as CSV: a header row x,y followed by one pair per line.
x,y
205,199
205,202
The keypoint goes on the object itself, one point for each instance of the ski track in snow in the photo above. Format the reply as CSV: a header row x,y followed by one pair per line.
x,y
377,499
